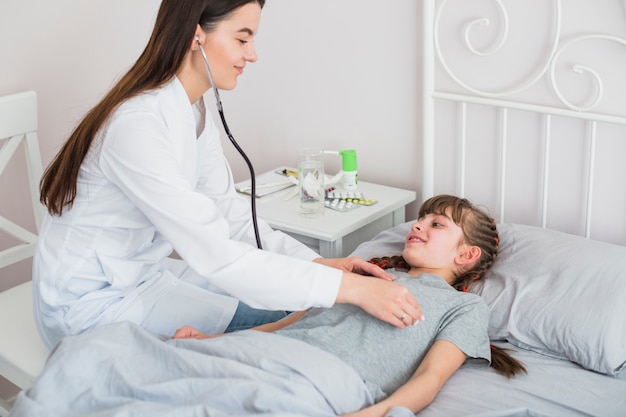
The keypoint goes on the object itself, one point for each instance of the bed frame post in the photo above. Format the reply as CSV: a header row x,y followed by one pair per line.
x,y
428,86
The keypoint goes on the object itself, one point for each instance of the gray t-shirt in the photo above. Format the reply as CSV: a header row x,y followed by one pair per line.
x,y
385,356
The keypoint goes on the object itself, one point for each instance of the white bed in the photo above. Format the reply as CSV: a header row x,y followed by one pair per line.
x,y
557,300
542,147
524,102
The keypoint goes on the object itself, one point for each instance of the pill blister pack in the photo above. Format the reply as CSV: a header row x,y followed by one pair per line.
x,y
346,200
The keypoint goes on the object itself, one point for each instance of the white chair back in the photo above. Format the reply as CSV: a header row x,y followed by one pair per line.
x,y
22,353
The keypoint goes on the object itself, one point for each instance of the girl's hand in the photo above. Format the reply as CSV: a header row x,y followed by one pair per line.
x,y
188,332
356,265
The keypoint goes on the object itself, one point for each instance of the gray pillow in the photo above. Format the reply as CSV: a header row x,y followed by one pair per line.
x,y
560,295
389,242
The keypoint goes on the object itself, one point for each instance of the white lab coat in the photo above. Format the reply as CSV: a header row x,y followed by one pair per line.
x,y
154,180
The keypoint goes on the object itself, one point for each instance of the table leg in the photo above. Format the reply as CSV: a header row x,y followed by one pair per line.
x,y
332,249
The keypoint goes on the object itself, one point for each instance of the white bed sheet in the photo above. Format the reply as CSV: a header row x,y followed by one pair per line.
x,y
552,387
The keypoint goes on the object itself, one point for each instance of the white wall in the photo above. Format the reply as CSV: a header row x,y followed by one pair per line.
x,y
337,74
68,52
333,74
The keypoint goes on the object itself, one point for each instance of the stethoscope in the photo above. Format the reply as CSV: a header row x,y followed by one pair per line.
x,y
220,110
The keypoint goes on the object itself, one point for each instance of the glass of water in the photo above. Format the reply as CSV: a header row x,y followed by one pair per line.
x,y
311,182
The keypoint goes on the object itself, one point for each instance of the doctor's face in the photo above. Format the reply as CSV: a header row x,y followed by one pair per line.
x,y
231,45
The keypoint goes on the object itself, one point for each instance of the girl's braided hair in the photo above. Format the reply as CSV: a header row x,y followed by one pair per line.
x,y
479,229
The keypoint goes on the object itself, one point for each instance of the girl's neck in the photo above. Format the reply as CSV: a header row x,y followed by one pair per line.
x,y
446,274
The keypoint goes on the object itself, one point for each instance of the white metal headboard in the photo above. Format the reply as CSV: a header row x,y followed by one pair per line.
x,y
451,96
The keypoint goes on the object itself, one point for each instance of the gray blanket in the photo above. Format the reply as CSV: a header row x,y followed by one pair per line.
x,y
122,370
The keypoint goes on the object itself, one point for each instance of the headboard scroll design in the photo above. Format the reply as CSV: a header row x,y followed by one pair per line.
x,y
528,110
475,26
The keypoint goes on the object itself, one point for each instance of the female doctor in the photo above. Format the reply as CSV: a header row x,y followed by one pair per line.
x,y
144,174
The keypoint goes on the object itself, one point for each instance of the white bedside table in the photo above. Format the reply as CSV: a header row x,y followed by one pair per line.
x,y
336,234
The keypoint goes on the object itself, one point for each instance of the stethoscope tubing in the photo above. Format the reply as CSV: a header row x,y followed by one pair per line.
x,y
220,110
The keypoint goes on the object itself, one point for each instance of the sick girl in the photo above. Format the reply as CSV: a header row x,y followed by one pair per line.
x,y
452,244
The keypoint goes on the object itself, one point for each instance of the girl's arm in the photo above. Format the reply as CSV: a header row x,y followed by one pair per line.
x,y
188,332
441,361
277,325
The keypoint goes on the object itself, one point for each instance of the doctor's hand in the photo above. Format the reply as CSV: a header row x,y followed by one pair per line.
x,y
356,265
382,299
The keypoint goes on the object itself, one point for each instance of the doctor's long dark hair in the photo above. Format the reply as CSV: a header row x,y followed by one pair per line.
x,y
171,38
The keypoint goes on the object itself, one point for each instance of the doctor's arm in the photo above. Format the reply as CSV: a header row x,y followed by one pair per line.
x,y
440,363
356,265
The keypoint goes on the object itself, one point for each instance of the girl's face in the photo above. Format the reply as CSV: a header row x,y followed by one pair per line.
x,y
433,243
230,45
